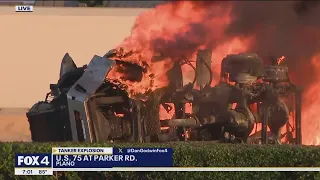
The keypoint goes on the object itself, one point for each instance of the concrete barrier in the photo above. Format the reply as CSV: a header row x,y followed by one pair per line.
x,y
33,45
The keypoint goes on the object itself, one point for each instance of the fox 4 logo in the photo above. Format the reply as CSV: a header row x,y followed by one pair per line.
x,y
33,161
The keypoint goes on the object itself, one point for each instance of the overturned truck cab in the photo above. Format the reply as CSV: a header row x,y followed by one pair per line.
x,y
84,107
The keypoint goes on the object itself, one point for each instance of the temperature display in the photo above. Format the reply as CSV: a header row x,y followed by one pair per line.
x,y
33,171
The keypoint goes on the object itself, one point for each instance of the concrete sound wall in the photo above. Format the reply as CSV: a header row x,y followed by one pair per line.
x,y
33,44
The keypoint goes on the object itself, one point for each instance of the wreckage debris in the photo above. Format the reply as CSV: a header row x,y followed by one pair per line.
x,y
103,111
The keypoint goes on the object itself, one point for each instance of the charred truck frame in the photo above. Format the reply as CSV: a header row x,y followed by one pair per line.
x,y
86,107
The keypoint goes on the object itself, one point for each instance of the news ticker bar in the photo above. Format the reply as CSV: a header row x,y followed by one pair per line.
x,y
38,171
115,159
79,158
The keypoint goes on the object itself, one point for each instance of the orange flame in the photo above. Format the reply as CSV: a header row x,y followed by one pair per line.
x,y
159,27
310,111
280,60
155,32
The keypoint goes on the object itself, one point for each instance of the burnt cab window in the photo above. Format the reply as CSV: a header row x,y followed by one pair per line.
x,y
79,126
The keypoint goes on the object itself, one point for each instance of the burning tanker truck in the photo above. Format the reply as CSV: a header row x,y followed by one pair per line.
x,y
85,106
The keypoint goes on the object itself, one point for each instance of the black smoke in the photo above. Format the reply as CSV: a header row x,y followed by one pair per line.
x,y
288,28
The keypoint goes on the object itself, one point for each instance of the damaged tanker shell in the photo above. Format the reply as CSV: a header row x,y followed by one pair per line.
x,y
276,73
88,104
250,64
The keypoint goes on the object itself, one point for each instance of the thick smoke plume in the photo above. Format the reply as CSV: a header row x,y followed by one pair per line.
x,y
280,28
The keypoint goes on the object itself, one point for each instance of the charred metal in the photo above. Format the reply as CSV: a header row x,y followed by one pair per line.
x,y
85,106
